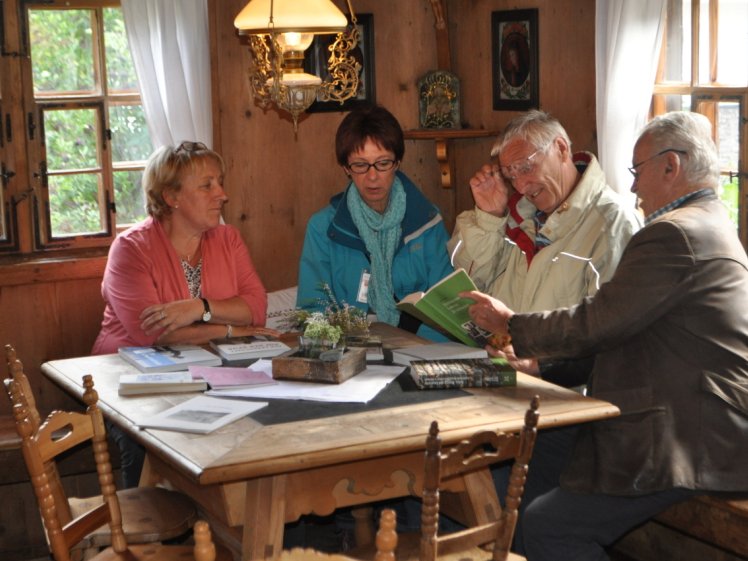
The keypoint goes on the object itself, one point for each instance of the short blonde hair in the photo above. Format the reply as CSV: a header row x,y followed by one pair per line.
x,y
165,169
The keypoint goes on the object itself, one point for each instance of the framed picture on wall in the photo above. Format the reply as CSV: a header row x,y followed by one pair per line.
x,y
363,52
514,49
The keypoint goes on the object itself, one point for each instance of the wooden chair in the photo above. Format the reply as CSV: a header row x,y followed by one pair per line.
x,y
487,541
143,514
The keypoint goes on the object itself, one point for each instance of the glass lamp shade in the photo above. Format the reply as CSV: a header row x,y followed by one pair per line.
x,y
298,80
302,16
293,41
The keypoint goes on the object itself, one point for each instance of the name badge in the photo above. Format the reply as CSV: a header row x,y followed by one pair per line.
x,y
363,288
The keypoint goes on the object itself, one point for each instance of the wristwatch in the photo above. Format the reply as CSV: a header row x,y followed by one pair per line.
x,y
206,314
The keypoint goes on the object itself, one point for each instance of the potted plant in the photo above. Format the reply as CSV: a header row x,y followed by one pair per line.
x,y
319,336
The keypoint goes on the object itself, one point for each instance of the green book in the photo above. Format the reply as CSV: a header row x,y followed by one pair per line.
x,y
442,308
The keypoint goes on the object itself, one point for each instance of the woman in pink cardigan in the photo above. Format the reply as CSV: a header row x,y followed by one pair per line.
x,y
180,276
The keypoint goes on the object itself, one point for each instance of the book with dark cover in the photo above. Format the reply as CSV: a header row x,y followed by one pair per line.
x,y
243,348
168,358
442,308
461,373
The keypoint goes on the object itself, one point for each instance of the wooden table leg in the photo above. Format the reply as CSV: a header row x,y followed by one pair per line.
x,y
363,525
264,514
471,499
480,496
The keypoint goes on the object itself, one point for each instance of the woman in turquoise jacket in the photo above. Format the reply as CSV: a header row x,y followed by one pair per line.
x,y
381,238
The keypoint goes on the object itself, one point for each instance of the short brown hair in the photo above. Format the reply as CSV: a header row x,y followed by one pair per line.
x,y
165,169
371,122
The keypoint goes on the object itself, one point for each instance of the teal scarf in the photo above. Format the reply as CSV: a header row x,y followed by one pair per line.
x,y
381,235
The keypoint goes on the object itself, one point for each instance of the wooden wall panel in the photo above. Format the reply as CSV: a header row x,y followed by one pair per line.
x,y
47,321
276,180
567,75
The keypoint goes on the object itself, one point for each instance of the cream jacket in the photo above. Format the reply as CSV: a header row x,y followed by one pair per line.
x,y
588,233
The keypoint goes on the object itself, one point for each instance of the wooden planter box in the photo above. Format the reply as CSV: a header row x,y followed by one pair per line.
x,y
289,366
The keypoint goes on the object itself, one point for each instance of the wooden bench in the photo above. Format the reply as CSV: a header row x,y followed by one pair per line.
x,y
9,439
705,527
720,521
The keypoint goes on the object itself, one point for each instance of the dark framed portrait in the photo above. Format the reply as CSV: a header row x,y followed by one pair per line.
x,y
363,52
514,49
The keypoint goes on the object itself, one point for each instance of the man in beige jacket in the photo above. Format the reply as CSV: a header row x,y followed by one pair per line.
x,y
570,227
669,333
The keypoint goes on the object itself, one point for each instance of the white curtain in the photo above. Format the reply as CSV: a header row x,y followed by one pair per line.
x,y
628,34
169,42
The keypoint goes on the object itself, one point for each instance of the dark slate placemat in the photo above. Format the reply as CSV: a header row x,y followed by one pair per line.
x,y
401,391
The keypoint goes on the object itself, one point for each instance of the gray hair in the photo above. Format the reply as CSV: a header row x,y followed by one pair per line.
x,y
536,127
692,133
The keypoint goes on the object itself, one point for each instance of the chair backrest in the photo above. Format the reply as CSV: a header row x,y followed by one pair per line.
x,y
15,370
19,392
479,451
42,444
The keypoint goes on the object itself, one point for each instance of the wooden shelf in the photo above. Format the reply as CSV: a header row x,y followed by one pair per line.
x,y
442,137
447,134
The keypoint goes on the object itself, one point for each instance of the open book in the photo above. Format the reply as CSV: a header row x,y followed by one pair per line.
x,y
202,414
442,308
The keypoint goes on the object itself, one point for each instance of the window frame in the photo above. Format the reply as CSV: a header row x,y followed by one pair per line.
x,y
25,195
712,92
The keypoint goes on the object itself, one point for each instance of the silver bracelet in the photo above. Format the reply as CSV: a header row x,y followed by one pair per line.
x,y
229,331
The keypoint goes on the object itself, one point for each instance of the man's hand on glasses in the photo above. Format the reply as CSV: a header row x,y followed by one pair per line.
x,y
490,191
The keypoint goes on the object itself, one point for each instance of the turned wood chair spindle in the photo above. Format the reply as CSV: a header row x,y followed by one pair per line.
x,y
42,443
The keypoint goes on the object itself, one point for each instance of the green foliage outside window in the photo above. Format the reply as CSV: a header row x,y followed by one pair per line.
x,y
61,50
729,193
120,70
64,55
77,200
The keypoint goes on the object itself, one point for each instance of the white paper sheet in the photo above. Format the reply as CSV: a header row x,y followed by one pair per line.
x,y
361,388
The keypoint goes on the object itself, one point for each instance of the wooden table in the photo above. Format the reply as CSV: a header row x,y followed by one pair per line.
x,y
251,479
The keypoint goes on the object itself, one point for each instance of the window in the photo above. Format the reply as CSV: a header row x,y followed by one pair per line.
x,y
93,136
703,68
86,135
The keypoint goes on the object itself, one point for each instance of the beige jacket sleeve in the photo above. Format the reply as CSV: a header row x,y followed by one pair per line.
x,y
479,246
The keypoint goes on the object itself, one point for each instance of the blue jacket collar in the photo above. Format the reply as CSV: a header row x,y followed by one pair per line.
x,y
419,211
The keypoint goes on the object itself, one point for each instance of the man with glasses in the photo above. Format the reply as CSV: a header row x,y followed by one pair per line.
x,y
669,332
546,230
